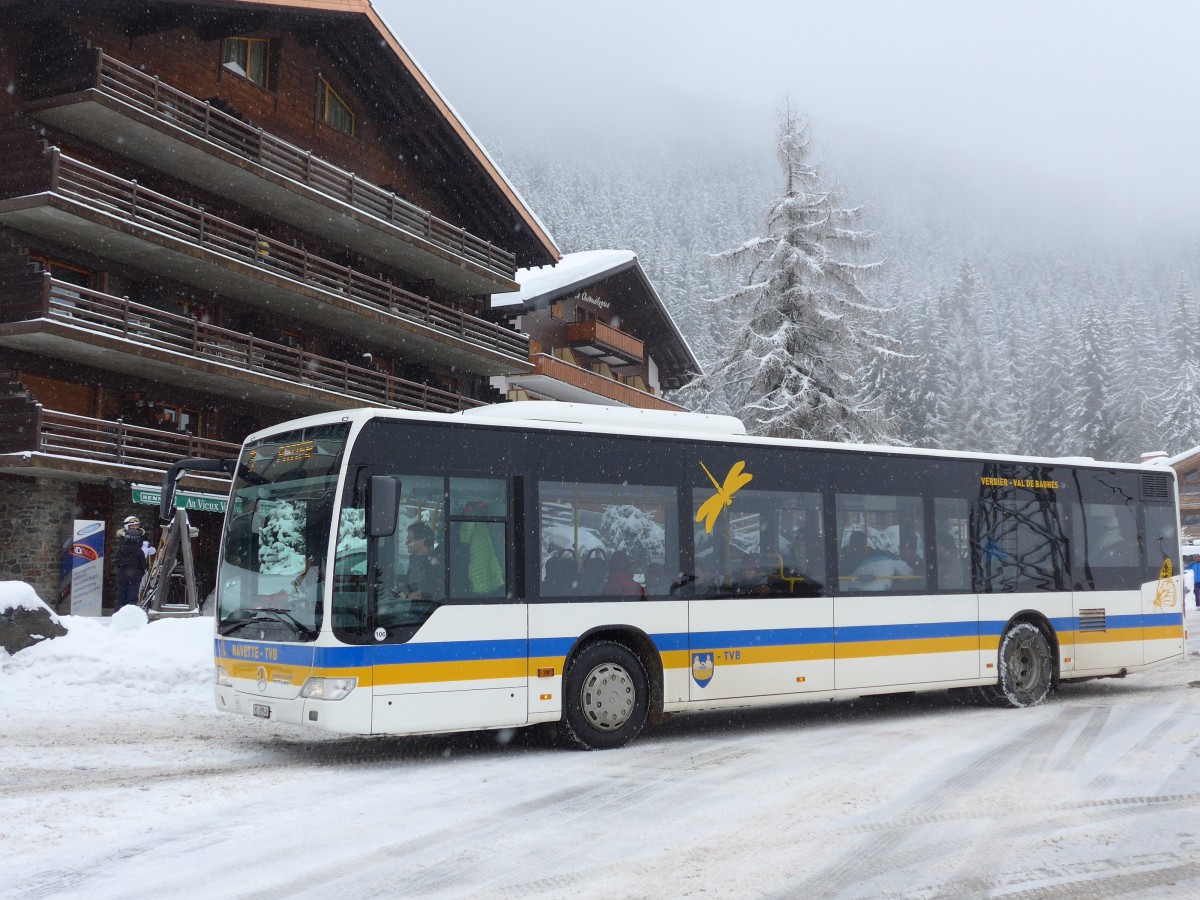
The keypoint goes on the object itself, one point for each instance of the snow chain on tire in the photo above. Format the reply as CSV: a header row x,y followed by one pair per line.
x,y
1026,664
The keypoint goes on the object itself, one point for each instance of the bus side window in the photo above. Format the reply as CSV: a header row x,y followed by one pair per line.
x,y
1021,542
1162,540
1105,548
478,537
766,543
950,522
881,543
607,540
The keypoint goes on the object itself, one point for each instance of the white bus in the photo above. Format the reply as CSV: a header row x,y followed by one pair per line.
x,y
385,572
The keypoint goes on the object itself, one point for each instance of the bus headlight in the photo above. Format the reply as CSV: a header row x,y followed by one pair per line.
x,y
223,676
328,688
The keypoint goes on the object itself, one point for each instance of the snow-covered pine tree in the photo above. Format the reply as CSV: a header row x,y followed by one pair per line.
x,y
1043,427
1180,402
806,326
1091,416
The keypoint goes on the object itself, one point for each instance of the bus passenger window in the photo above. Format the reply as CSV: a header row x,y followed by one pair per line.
x,y
881,543
607,540
1021,542
1162,540
766,543
478,537
951,522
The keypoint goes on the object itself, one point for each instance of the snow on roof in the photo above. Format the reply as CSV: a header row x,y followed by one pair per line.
x,y
1182,457
573,270
677,423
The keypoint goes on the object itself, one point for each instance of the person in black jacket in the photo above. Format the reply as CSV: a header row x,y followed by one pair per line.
x,y
129,562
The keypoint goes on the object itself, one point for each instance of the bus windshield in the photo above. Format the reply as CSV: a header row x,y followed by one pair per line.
x,y
272,572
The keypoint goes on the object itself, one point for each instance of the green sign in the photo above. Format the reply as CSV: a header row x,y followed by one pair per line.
x,y
147,495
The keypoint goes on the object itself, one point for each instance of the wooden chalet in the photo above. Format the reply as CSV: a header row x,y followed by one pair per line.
x,y
216,215
599,333
1187,468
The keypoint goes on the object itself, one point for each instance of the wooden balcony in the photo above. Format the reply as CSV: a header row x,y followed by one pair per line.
x,y
118,219
45,442
603,343
560,380
138,116
86,326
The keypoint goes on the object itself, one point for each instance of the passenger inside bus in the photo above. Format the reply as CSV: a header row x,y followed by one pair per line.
x,y
562,575
951,565
425,579
854,552
619,582
593,573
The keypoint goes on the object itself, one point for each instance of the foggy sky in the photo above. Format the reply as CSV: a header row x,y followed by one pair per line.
x,y
1091,95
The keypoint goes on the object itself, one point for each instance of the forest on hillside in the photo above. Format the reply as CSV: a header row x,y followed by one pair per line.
x,y
1028,319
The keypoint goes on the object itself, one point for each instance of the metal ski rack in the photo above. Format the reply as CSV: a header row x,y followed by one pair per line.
x,y
170,588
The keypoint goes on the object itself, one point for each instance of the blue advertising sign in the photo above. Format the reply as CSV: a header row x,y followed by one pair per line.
x,y
86,556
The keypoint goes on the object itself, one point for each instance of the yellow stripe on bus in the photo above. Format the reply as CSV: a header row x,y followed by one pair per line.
x,y
863,649
1116,636
458,670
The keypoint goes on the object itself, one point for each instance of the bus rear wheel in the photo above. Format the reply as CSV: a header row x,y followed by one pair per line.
x,y
1026,668
606,698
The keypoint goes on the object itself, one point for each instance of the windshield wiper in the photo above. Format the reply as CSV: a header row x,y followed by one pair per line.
x,y
278,614
286,614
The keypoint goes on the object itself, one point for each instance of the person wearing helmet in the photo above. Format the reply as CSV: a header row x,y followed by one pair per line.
x,y
129,562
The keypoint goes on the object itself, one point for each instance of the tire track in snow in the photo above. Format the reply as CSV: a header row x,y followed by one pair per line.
x,y
882,852
438,862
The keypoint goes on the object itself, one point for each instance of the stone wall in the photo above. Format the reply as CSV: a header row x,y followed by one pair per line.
x,y
36,515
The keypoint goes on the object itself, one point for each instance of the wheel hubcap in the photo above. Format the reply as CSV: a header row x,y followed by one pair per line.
x,y
1027,666
607,697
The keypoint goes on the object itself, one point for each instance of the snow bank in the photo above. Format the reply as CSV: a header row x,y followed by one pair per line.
x,y
125,651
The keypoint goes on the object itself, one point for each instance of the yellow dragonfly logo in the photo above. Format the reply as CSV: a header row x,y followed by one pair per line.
x,y
1166,597
735,480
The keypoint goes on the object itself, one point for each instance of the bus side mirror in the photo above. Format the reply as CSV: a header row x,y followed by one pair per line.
x,y
383,492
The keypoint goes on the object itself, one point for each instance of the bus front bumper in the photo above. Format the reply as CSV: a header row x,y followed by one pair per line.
x,y
351,715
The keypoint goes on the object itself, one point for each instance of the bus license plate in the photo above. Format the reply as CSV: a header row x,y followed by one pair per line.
x,y
262,711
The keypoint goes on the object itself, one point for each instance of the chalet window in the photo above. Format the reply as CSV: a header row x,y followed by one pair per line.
x,y
201,312
63,271
177,418
293,339
332,109
556,310
247,58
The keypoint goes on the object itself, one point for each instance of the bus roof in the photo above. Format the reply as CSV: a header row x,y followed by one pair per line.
x,y
552,415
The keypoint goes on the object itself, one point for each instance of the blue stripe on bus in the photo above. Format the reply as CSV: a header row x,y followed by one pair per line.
x,y
854,634
449,651
254,651
768,637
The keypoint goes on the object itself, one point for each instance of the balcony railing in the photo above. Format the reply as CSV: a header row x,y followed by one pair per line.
x,y
148,94
552,367
597,340
133,204
122,319
80,437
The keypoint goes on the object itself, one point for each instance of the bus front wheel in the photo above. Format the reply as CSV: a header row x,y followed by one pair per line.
x,y
1026,668
606,698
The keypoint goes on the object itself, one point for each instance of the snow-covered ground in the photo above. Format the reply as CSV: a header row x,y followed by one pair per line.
x,y
118,778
